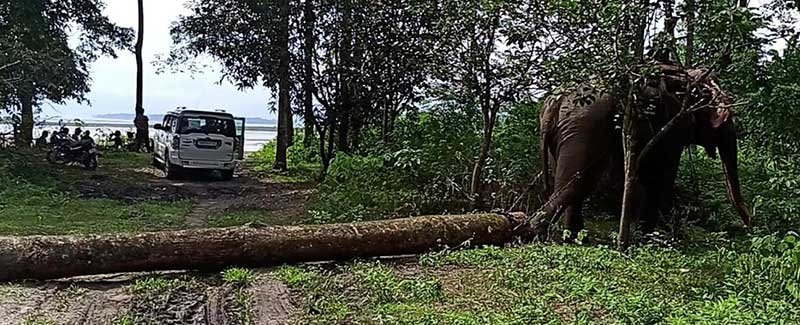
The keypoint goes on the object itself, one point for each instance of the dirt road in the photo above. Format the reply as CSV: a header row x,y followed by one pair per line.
x,y
166,297
173,298
211,196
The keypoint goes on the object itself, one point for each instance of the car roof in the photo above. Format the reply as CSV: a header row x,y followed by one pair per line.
x,y
199,112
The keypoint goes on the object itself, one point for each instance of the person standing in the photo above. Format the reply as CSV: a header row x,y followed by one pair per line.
x,y
77,135
41,142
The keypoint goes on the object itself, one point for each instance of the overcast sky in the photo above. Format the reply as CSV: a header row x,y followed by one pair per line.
x,y
114,80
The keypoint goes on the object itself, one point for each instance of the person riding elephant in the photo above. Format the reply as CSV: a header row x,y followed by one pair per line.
x,y
581,138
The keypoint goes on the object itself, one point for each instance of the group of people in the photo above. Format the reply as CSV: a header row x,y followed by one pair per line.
x,y
115,140
46,138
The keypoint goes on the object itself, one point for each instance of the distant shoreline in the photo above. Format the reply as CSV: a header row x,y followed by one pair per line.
x,y
266,128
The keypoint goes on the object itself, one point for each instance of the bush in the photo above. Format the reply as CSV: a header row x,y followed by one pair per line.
x,y
425,170
427,167
516,159
304,163
360,188
770,185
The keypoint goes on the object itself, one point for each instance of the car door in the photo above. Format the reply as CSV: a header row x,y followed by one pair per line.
x,y
240,126
159,137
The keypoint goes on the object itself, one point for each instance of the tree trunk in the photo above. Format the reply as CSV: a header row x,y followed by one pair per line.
x,y
670,20
346,80
49,257
284,111
140,121
689,33
309,19
641,28
667,52
476,183
629,134
24,137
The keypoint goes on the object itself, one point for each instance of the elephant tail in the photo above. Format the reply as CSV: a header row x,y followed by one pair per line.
x,y
548,119
548,186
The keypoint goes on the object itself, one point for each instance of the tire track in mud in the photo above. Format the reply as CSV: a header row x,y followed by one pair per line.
x,y
272,302
99,300
267,302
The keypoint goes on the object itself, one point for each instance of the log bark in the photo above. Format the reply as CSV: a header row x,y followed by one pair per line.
x,y
50,257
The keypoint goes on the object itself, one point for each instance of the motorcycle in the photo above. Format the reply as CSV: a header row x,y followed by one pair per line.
x,y
67,151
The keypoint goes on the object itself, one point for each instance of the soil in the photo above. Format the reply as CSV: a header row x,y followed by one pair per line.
x,y
211,196
109,299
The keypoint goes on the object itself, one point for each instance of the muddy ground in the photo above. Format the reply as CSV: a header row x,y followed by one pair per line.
x,y
190,298
210,195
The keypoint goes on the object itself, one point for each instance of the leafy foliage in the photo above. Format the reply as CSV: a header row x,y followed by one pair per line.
x,y
37,57
304,163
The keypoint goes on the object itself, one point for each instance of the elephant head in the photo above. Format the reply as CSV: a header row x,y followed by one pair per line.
x,y
714,130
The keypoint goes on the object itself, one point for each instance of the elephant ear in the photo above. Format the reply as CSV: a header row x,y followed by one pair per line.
x,y
719,116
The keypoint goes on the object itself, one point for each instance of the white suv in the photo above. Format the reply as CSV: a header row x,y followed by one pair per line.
x,y
193,139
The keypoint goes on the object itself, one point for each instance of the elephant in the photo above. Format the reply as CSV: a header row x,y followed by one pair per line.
x,y
580,133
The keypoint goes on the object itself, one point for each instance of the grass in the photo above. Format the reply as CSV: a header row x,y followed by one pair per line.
x,y
39,320
72,215
716,282
238,276
38,198
243,301
241,278
304,165
707,278
153,286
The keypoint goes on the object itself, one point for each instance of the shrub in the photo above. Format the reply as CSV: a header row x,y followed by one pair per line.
x,y
238,276
304,163
770,185
424,170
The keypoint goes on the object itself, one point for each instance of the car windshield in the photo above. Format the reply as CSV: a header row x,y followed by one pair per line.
x,y
206,125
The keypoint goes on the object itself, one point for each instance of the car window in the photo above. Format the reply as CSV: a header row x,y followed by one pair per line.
x,y
206,125
171,123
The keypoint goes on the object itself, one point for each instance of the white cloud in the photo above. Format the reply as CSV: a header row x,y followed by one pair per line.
x,y
114,80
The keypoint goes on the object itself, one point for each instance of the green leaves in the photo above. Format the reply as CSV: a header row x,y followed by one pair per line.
x,y
34,35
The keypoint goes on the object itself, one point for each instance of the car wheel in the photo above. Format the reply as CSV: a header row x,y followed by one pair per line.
x,y
170,170
90,163
54,157
226,174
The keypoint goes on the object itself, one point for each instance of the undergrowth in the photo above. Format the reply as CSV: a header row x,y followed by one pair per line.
x,y
303,163
707,282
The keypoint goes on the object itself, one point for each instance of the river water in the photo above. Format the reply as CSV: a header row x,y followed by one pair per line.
x,y
255,136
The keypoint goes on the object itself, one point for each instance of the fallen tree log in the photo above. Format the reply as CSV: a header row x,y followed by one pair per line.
x,y
50,257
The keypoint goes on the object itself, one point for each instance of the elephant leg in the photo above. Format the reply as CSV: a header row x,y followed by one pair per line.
x,y
668,186
576,178
650,210
573,220
659,182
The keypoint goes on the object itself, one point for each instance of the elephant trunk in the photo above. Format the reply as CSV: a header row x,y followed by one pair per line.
x,y
728,152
